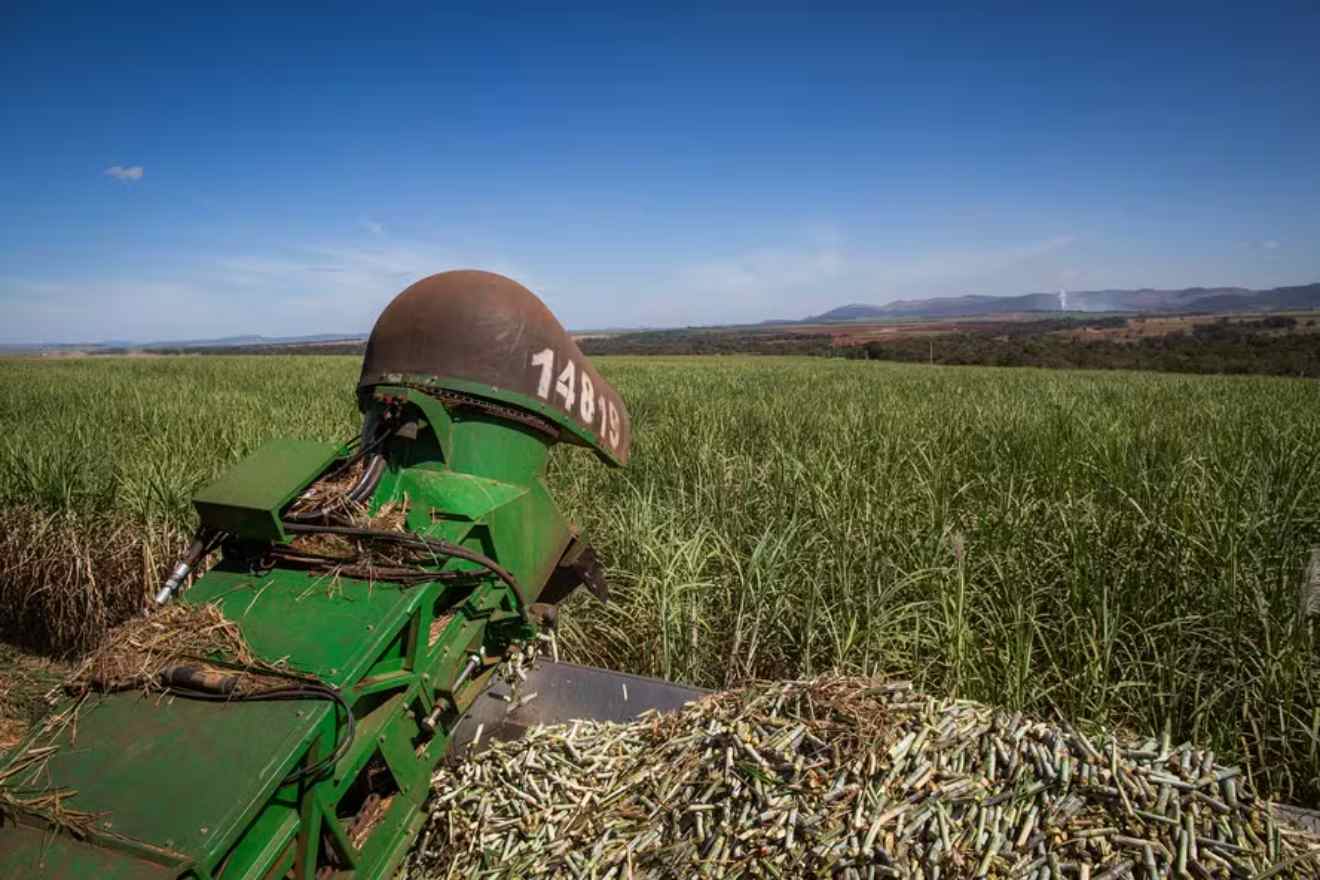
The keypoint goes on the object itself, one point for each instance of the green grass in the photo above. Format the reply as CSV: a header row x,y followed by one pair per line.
x,y
1120,548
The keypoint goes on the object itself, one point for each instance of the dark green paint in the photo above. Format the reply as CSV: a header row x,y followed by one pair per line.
x,y
246,501
553,413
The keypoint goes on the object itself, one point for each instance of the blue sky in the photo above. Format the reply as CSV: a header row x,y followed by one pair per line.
x,y
173,173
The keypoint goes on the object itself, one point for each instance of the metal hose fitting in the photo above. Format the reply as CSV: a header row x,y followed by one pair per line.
x,y
200,548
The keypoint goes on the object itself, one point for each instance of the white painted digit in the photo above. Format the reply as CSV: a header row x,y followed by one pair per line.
x,y
564,387
588,407
545,359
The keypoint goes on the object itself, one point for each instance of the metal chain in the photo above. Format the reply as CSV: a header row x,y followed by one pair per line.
x,y
522,416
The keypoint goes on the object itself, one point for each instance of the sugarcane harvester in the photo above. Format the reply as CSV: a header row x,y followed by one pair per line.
x,y
458,556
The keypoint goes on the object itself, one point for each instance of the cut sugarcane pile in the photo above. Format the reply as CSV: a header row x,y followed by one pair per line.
x,y
843,777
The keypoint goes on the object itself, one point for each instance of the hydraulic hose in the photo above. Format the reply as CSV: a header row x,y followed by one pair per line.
x,y
434,545
370,479
358,494
365,485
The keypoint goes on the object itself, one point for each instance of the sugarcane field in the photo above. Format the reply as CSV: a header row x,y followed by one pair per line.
x,y
647,441
1075,642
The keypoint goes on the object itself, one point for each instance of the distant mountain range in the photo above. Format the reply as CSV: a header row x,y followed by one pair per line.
x,y
1145,300
1148,300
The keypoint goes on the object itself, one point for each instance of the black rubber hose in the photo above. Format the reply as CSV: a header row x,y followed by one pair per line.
x,y
435,545
370,479
361,490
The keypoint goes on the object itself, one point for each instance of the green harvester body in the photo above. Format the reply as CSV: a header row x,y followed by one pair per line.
x,y
186,789
194,789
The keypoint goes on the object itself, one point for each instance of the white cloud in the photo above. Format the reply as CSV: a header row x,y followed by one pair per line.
x,y
1269,244
752,274
374,227
128,174
75,310
342,286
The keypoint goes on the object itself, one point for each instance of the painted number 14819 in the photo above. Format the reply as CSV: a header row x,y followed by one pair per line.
x,y
574,386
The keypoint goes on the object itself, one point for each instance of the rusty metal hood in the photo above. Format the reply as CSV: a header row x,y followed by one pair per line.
x,y
480,333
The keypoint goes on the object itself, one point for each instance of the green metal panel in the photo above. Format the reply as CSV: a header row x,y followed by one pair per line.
x,y
151,766
325,627
36,852
461,495
173,781
247,500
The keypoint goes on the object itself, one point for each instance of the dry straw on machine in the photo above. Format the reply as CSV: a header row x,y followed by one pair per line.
x,y
138,652
838,777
